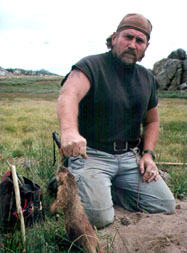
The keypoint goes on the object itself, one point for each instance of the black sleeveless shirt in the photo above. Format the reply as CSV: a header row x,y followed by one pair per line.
x,y
117,102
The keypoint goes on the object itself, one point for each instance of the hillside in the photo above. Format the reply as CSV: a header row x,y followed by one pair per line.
x,y
23,72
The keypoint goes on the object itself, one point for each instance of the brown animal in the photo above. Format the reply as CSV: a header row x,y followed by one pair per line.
x,y
76,222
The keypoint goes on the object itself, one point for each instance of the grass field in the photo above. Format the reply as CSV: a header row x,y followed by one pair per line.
x,y
27,119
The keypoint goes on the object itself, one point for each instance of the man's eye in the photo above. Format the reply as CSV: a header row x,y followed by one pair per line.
x,y
128,37
139,41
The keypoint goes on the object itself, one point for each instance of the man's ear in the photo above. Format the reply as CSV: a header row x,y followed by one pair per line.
x,y
114,36
148,43
140,59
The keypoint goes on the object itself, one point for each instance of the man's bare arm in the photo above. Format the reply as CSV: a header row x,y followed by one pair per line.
x,y
151,129
74,89
151,133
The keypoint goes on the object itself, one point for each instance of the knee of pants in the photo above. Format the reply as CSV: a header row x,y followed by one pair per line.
x,y
170,206
100,218
161,206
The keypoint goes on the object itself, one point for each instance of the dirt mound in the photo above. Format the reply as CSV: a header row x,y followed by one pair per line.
x,y
144,233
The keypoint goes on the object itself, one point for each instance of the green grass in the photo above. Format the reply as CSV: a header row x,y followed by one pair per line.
x,y
172,144
178,182
31,84
172,94
48,236
27,119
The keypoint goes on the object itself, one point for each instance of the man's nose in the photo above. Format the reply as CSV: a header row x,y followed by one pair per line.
x,y
132,44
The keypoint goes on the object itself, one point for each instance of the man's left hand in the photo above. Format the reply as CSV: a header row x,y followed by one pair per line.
x,y
148,168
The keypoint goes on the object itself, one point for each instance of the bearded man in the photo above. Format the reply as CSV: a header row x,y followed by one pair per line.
x,y
106,103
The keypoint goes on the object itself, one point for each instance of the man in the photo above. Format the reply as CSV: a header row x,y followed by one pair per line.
x,y
103,103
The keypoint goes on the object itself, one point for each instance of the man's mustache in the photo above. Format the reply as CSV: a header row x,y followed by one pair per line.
x,y
129,52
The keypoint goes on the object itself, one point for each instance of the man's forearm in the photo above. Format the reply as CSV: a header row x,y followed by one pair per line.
x,y
151,133
73,90
151,129
67,111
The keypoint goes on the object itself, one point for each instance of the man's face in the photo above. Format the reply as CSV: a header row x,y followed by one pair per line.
x,y
129,45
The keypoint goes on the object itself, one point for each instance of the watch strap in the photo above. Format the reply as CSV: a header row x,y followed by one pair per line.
x,y
150,152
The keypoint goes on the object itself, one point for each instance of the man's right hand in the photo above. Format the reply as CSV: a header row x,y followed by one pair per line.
x,y
72,143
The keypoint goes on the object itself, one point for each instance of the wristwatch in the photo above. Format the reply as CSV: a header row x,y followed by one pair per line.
x,y
149,152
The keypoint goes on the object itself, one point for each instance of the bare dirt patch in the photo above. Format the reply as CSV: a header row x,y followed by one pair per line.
x,y
147,233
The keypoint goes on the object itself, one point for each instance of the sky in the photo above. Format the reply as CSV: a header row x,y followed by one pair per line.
x,y
55,34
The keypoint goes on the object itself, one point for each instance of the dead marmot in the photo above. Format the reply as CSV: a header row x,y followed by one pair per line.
x,y
77,225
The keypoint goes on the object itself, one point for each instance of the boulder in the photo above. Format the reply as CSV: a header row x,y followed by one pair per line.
x,y
183,86
158,66
184,75
163,80
171,72
179,54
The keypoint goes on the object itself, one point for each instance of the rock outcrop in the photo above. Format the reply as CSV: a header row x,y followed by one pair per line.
x,y
171,72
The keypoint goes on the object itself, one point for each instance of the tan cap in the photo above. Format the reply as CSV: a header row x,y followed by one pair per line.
x,y
136,21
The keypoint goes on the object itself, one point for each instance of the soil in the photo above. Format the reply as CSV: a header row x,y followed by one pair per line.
x,y
144,233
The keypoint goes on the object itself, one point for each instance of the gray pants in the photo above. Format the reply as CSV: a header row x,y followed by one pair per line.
x,y
103,178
